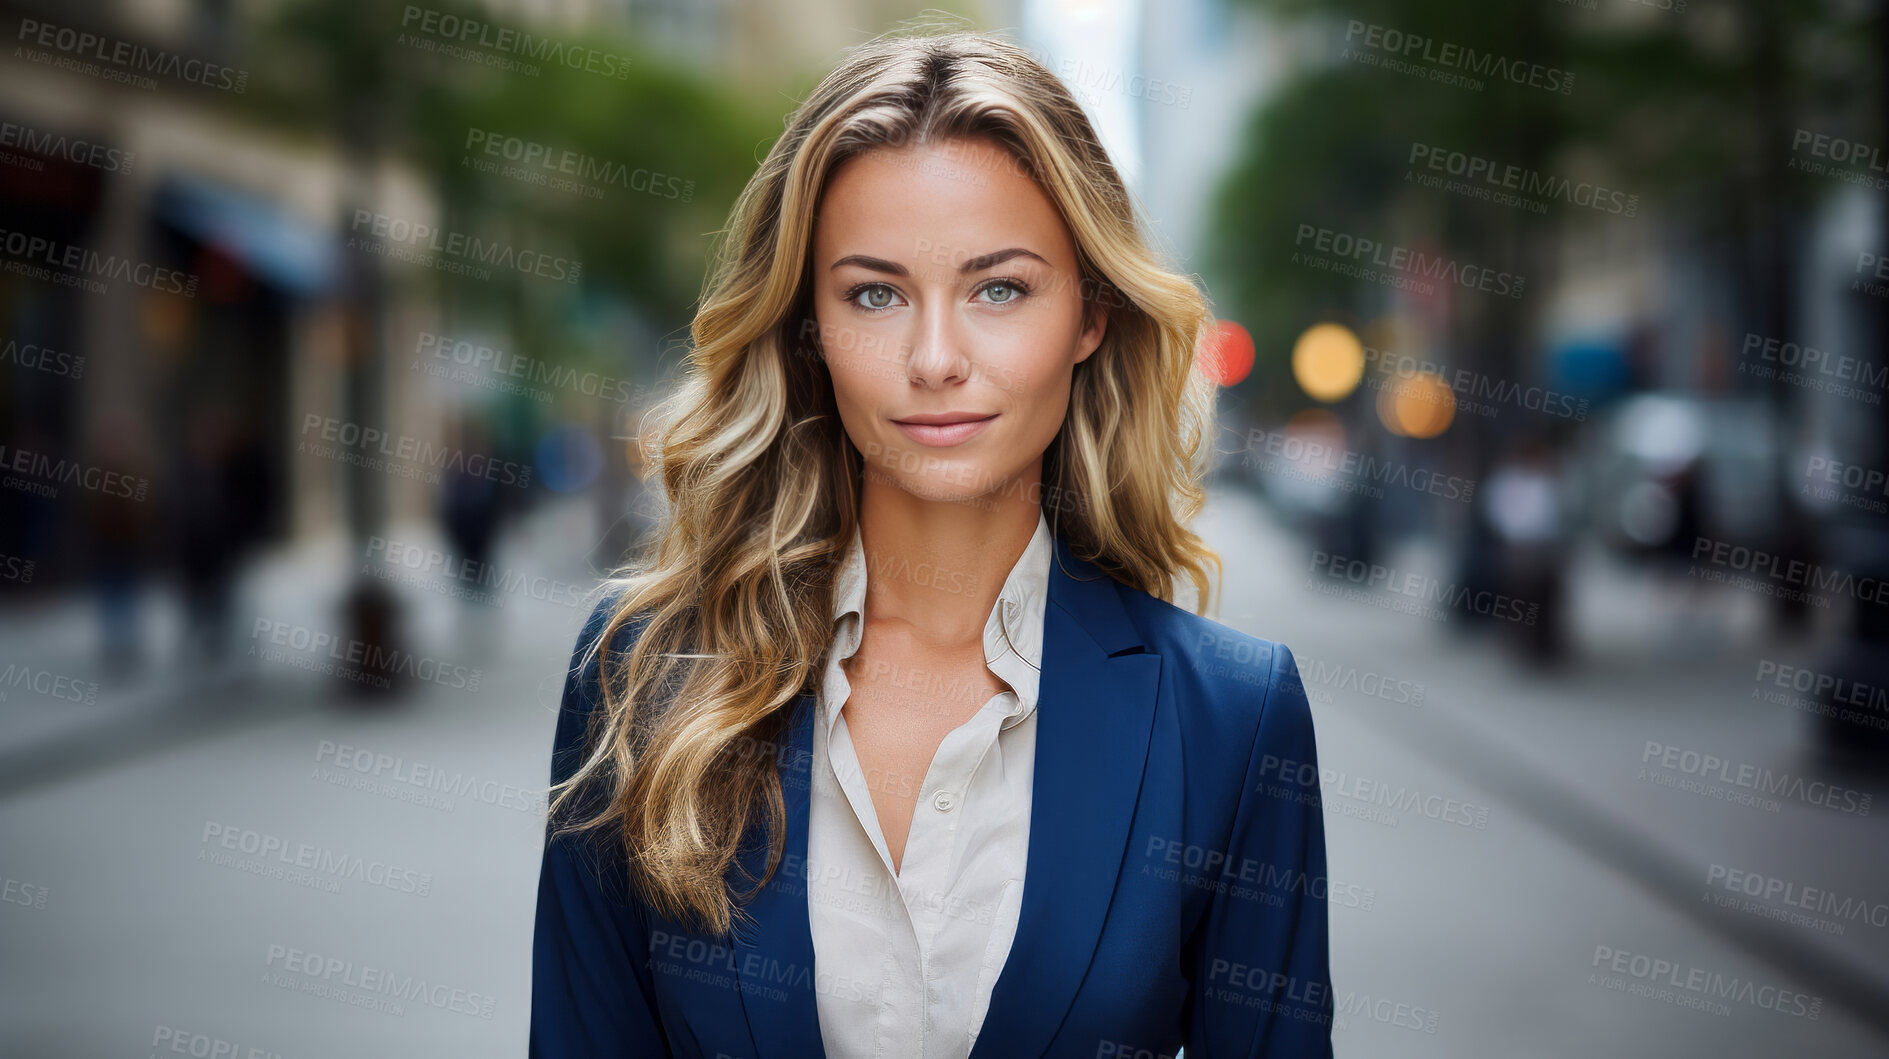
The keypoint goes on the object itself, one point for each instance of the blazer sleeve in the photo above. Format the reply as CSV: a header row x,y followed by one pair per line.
x,y
1260,960
591,993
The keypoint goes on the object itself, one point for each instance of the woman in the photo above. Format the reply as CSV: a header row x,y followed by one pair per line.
x,y
892,743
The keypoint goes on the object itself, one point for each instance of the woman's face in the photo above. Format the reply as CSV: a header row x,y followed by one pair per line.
x,y
951,315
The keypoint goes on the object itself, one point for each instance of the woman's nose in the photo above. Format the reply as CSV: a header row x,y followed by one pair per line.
x,y
937,357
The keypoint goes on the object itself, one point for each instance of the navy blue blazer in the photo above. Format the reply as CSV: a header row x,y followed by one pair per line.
x,y
1174,893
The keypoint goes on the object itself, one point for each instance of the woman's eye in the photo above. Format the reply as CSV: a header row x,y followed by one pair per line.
x,y
876,296
1002,292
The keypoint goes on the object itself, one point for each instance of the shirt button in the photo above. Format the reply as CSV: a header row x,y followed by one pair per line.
x,y
944,801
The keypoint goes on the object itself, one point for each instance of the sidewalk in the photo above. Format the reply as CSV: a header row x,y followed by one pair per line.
x,y
1555,760
401,840
1482,908
64,711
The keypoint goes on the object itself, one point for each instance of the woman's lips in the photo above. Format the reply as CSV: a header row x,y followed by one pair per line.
x,y
944,435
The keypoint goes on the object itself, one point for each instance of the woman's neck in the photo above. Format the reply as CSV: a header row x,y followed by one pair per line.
x,y
939,565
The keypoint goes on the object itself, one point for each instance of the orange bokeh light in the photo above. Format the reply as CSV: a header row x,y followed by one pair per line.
x,y
1416,405
1328,361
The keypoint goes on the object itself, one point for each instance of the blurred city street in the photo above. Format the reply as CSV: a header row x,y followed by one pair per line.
x,y
1450,938
1546,351
1495,928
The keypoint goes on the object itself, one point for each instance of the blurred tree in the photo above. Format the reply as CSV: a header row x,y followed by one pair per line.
x,y
645,248
1691,109
624,166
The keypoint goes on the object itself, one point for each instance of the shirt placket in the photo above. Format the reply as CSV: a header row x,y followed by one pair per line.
x,y
934,850
897,1011
912,996
842,756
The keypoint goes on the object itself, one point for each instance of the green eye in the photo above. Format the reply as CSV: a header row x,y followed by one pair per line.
x,y
1007,292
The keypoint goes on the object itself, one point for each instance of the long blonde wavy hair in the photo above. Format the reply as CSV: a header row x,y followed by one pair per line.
x,y
734,591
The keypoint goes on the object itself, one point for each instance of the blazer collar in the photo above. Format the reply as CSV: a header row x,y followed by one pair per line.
x,y
1095,713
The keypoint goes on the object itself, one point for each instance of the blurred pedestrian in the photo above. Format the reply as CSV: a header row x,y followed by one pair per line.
x,y
1522,503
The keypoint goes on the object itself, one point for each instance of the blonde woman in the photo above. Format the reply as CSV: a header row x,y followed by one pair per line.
x,y
892,742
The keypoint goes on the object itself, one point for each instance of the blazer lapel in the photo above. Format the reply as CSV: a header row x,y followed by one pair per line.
x,y
773,955
1095,713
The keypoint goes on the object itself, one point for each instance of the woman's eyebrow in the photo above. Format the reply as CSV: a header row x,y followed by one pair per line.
x,y
976,264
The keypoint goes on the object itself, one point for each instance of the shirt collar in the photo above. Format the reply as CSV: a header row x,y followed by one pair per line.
x,y
1013,633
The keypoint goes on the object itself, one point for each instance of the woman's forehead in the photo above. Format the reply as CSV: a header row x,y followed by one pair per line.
x,y
947,199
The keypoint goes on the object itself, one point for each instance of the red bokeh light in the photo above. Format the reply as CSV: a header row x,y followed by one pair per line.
x,y
1226,354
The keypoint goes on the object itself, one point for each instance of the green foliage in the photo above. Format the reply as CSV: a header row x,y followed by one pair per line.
x,y
1669,106
657,154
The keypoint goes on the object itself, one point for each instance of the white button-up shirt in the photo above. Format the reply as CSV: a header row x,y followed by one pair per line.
x,y
905,961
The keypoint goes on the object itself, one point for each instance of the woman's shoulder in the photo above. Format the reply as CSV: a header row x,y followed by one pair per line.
x,y
583,681
1224,680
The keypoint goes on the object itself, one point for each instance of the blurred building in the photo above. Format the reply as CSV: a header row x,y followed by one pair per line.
x,y
245,331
